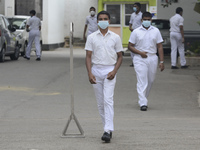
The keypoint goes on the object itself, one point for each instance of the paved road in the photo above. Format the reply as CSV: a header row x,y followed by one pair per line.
x,y
35,107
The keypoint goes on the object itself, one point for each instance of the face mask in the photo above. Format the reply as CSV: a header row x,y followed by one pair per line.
x,y
146,23
92,13
134,9
103,24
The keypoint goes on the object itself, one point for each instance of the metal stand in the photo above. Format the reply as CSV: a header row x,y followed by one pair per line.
x,y
72,116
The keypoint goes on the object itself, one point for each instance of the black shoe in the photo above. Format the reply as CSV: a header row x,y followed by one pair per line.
x,y
26,57
174,67
106,137
131,65
184,67
143,108
38,59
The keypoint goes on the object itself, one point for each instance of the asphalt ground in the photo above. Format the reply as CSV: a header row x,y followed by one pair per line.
x,y
35,106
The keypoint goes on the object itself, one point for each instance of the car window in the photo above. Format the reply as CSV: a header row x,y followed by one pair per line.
x,y
6,22
161,24
18,23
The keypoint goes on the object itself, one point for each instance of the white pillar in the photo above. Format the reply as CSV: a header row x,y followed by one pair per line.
x,y
9,7
53,22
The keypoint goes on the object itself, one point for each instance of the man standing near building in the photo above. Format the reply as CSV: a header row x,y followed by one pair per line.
x,y
34,25
177,39
91,23
103,59
135,21
144,42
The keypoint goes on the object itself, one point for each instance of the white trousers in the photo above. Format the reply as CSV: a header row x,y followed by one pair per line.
x,y
34,35
176,43
145,69
104,92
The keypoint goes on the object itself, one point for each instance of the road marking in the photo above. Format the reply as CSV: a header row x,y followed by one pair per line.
x,y
25,89
9,88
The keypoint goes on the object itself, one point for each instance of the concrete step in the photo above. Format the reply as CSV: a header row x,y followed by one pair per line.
x,y
76,42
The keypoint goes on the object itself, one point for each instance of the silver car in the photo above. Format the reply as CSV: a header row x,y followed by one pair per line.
x,y
19,22
163,25
9,42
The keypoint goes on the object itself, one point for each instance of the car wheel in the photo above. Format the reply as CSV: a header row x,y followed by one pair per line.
x,y
15,56
24,50
2,54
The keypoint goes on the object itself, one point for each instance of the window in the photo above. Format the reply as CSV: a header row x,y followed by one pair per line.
x,y
129,11
114,11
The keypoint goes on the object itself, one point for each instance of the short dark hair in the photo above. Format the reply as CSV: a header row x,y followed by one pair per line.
x,y
146,14
92,8
179,10
103,13
33,12
138,4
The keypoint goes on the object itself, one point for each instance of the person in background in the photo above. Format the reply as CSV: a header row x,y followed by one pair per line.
x,y
144,42
90,23
34,24
135,21
177,39
103,59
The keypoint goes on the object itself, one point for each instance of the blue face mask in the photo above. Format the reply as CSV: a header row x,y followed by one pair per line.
x,y
134,9
103,24
146,23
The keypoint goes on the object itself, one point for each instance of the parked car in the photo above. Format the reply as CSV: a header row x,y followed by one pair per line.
x,y
163,25
19,22
9,43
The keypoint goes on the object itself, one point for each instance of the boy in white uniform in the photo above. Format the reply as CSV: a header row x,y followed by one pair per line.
x,y
90,23
135,21
103,59
177,39
144,42
34,35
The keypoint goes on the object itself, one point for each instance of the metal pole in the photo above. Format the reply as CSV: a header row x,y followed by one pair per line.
x,y
72,116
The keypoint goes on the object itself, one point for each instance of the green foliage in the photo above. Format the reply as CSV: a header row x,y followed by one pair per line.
x,y
195,47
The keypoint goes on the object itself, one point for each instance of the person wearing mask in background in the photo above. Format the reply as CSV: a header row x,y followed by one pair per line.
x,y
135,21
103,59
91,23
177,39
144,42
34,24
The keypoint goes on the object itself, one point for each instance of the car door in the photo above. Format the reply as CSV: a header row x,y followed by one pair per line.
x,y
10,37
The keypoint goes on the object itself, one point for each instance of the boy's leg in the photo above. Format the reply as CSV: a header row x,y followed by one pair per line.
x,y
37,44
153,65
30,41
173,40
181,51
141,70
109,86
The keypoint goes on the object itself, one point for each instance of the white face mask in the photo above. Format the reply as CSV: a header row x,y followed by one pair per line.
x,y
92,13
103,24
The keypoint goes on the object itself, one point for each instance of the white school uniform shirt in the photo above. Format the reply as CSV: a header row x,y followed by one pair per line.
x,y
104,48
91,22
135,20
175,22
146,40
34,23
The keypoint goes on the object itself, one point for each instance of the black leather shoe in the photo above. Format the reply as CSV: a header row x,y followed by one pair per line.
x,y
38,59
26,57
174,67
184,67
143,108
106,137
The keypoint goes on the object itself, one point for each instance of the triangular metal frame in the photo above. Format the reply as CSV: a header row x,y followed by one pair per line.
x,y
72,116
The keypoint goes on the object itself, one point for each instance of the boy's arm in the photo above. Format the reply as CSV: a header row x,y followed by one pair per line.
x,y
132,48
88,63
112,74
161,56
85,29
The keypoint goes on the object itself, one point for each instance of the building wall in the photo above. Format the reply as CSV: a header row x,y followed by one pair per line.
x,y
76,12
190,16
